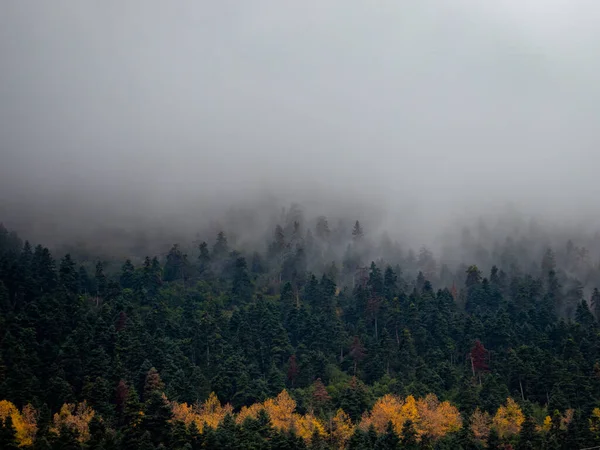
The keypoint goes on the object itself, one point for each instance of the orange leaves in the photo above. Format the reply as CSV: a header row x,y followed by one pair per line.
x,y
387,408
432,418
436,418
182,412
481,423
76,417
211,412
508,419
281,411
24,422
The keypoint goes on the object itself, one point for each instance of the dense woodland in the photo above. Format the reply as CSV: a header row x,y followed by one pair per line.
x,y
320,339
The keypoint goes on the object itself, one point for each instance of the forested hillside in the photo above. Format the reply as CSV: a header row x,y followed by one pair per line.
x,y
320,339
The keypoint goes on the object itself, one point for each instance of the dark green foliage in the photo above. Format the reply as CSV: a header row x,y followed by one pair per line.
x,y
67,439
388,440
409,436
528,437
157,416
248,324
8,434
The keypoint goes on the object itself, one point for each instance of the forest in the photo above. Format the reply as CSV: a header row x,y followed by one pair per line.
x,y
322,338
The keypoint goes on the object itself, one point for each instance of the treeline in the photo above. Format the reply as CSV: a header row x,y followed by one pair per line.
x,y
392,423
126,355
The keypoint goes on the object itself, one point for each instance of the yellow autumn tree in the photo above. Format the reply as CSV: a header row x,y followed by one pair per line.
x,y
431,418
594,422
508,419
435,418
409,411
76,416
307,425
249,411
211,412
25,422
387,408
281,411
182,412
481,423
547,425
342,428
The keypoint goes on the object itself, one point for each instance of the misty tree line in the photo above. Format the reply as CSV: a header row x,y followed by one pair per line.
x,y
319,310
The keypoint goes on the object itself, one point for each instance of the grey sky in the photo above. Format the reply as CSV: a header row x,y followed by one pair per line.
x,y
435,104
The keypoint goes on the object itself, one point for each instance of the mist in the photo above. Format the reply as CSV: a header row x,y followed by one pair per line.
x,y
178,119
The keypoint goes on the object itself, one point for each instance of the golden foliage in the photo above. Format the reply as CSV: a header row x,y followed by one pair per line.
x,y
387,408
281,411
594,422
431,418
76,417
480,425
249,411
307,424
435,418
25,422
182,412
342,428
547,425
508,419
211,412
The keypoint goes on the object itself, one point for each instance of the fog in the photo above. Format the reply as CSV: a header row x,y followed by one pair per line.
x,y
410,116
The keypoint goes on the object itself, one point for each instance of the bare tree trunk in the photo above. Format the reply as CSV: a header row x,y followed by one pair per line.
x,y
521,386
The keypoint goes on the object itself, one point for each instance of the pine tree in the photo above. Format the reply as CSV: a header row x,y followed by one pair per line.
x,y
152,383
357,232
409,436
221,247
157,417
389,440
144,443
241,288
179,436
8,434
226,434
127,278
67,439
317,442
358,441
528,438
493,441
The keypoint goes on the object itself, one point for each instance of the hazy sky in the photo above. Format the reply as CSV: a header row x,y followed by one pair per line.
x,y
425,103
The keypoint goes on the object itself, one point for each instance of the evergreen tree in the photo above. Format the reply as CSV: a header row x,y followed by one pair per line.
x,y
8,434
389,440
409,436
